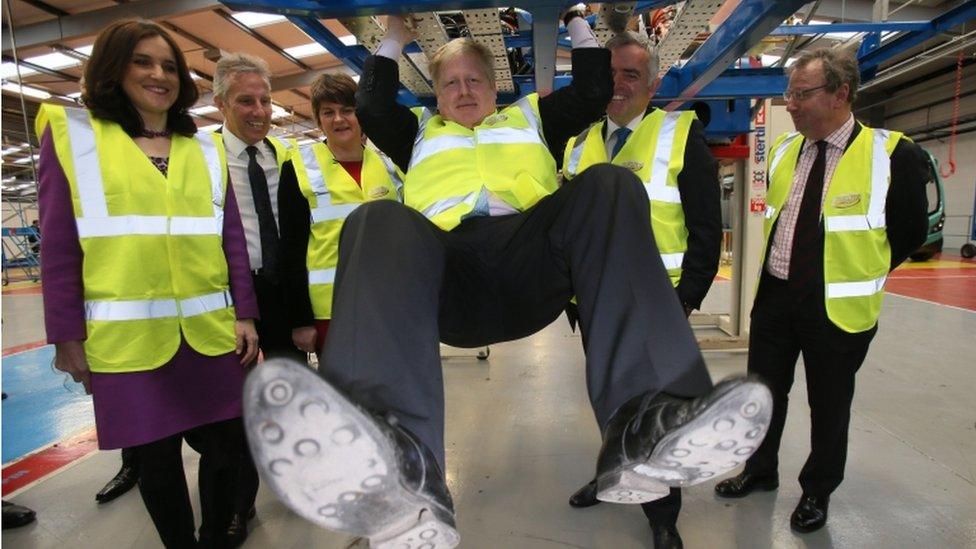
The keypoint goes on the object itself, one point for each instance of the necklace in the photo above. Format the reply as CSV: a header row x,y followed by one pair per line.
x,y
153,133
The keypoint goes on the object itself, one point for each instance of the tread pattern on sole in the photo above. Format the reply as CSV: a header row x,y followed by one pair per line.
x,y
328,460
718,440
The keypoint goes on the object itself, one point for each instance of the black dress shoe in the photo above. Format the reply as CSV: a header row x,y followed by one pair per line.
x,y
655,441
743,484
124,480
15,516
341,466
585,496
666,537
810,514
237,531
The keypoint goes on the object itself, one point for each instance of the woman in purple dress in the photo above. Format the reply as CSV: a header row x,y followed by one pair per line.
x,y
147,295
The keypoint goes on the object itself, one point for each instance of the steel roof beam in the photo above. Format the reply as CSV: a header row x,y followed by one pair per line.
x,y
90,22
745,27
962,13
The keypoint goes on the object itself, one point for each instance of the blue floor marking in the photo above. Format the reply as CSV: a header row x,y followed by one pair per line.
x,y
42,406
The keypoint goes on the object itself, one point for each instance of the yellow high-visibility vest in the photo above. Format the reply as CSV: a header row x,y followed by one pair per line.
x,y
451,165
857,254
154,264
333,194
655,152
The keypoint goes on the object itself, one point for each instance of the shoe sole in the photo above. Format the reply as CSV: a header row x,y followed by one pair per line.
x,y
328,461
719,439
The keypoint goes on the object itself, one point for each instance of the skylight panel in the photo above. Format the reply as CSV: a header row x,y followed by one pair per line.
x,y
54,61
9,70
27,90
306,50
255,20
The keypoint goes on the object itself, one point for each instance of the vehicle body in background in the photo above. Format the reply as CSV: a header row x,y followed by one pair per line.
x,y
936,199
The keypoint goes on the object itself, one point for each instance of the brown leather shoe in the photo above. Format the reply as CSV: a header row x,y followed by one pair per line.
x,y
743,484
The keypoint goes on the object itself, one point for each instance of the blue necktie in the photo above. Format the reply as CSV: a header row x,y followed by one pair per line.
x,y
621,134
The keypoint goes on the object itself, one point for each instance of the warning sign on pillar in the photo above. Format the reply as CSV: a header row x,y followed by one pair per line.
x,y
757,204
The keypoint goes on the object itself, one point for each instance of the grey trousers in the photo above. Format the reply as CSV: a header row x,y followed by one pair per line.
x,y
403,285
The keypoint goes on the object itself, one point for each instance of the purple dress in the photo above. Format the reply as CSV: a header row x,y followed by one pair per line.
x,y
138,407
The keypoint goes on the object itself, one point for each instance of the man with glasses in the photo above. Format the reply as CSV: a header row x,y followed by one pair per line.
x,y
846,204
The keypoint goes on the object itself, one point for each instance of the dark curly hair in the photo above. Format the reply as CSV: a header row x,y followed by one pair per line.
x,y
102,91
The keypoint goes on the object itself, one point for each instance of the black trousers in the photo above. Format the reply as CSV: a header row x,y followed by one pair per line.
x,y
403,285
274,338
784,326
162,483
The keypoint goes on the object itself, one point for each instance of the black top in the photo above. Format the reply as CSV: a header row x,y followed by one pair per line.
x,y
565,112
701,198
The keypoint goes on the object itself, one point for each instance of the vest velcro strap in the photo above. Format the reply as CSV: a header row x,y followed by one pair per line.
x,y
130,310
855,289
663,193
322,276
839,223
201,304
332,212
429,147
448,203
672,261
145,309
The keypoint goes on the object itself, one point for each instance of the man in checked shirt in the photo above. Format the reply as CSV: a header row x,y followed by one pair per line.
x,y
845,205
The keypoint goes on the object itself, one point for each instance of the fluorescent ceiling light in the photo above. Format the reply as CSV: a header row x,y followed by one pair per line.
x,y
26,159
349,40
27,90
278,112
210,128
9,179
255,20
306,50
54,61
5,152
205,109
9,70
74,95
355,78
85,50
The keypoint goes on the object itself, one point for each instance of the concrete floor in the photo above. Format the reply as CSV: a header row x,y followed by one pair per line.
x,y
521,438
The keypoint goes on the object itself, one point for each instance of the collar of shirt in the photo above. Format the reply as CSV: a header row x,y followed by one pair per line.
x,y
236,148
837,139
610,140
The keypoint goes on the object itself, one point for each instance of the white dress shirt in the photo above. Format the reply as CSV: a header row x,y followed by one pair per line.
x,y
237,160
611,140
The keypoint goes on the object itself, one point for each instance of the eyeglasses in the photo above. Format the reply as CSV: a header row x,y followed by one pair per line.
x,y
800,95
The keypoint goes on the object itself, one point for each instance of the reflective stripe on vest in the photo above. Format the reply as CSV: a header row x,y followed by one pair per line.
x,y
856,249
322,276
452,167
95,220
153,268
157,308
855,289
657,185
655,153
322,180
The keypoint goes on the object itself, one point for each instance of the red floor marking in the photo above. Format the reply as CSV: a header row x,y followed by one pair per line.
x,y
35,467
958,291
24,347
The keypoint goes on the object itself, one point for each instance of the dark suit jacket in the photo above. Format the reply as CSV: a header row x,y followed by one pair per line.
x,y
701,202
